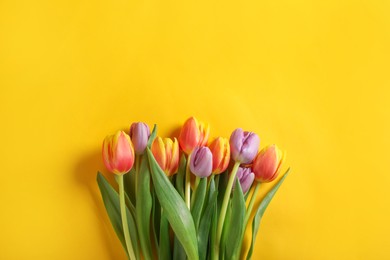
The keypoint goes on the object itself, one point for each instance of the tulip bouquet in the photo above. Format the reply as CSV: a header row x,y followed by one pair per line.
x,y
186,198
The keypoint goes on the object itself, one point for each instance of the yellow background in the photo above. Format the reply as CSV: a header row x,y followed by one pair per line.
x,y
311,76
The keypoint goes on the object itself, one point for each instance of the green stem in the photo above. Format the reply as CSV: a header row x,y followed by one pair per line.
x,y
225,203
129,246
137,160
188,184
251,203
197,180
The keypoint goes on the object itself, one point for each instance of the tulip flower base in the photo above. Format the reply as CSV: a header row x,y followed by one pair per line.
x,y
179,199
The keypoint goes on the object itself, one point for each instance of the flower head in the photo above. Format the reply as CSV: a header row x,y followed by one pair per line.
x,y
139,134
266,165
201,162
118,153
166,153
193,134
220,149
245,177
244,145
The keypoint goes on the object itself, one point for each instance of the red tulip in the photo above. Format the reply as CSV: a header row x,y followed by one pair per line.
x,y
193,134
266,165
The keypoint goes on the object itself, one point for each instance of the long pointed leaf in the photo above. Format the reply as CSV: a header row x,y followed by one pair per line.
x,y
225,231
236,223
111,202
199,196
129,182
260,212
164,252
206,220
152,136
156,213
178,251
144,208
175,209
180,176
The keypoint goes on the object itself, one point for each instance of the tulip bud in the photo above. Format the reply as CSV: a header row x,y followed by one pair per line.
x,y
118,153
245,177
220,150
244,145
139,134
267,163
201,162
166,153
193,134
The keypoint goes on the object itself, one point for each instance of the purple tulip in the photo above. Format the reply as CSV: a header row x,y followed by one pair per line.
x,y
246,178
244,145
201,162
139,134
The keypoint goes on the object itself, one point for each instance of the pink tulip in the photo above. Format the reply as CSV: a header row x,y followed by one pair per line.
x,y
244,145
139,134
201,162
245,177
118,153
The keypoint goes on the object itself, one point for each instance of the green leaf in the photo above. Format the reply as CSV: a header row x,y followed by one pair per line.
x,y
180,176
144,208
236,226
223,179
156,213
260,212
164,251
152,136
175,209
111,202
129,183
178,251
199,196
225,231
213,232
214,218
206,221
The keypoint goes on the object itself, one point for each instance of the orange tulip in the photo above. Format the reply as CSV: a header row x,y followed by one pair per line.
x,y
166,153
118,153
220,149
266,165
193,134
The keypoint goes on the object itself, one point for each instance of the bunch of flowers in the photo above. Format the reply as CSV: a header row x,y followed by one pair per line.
x,y
186,198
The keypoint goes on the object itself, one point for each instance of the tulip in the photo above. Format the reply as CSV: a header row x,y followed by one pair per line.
x,y
193,134
201,162
244,145
118,153
166,153
139,134
267,163
246,178
220,150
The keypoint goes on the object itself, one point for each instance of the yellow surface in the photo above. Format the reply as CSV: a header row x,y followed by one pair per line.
x,y
311,76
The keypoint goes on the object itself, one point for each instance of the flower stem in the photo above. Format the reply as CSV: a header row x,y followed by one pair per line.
x,y
137,159
250,206
129,246
225,203
188,184
194,192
